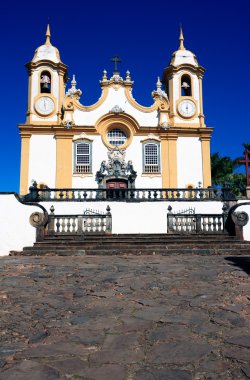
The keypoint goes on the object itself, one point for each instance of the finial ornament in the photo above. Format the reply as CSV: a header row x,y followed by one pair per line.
x,y
158,84
181,39
48,36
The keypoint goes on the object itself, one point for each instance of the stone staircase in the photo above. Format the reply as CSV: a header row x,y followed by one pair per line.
x,y
137,244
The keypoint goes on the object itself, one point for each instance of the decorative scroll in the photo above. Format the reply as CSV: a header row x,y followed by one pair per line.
x,y
240,218
37,219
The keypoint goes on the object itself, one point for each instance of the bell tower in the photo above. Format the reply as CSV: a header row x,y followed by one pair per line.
x,y
182,81
46,91
47,80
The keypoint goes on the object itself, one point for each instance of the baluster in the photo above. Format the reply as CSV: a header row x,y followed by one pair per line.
x,y
209,225
66,195
204,224
99,224
84,224
198,223
220,224
57,225
178,194
68,225
63,225
79,226
214,224
171,194
149,194
61,195
143,194
101,229
176,223
155,194
74,221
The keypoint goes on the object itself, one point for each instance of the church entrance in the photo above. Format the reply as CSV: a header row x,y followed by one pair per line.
x,y
117,184
115,188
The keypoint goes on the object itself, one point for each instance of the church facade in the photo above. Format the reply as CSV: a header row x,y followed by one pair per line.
x,y
116,142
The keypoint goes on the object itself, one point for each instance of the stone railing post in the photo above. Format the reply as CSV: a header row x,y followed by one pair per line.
x,y
108,221
198,223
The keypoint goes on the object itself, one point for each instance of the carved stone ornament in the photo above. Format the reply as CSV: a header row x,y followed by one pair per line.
x,y
116,167
116,109
37,219
240,218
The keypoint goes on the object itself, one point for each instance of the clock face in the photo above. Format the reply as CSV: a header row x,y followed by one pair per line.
x,y
44,105
187,108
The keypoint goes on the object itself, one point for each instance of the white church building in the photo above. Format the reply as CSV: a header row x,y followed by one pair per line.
x,y
116,142
115,167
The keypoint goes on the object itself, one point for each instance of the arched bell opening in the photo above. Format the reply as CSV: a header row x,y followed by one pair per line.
x,y
45,82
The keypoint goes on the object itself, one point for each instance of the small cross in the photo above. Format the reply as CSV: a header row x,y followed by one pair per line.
x,y
246,161
116,60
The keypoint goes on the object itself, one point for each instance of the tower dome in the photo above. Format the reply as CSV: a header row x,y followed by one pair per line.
x,y
182,55
47,51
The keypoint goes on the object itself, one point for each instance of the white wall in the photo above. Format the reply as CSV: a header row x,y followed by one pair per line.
x,y
116,97
145,217
99,154
189,161
15,229
42,162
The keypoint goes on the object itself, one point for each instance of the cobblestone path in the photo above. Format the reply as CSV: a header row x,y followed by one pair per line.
x,y
124,318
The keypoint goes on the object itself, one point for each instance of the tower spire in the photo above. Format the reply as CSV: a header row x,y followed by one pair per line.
x,y
48,36
181,39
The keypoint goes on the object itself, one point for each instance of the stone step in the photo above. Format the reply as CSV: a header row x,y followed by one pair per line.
x,y
132,252
137,237
140,245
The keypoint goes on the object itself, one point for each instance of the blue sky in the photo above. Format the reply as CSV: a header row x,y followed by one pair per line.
x,y
144,34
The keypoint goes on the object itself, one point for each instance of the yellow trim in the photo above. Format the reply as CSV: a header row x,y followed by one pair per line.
x,y
201,114
172,153
24,169
123,121
64,160
169,161
206,161
134,103
165,163
101,100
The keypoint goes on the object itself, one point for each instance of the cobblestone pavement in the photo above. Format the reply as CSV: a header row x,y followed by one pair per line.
x,y
124,318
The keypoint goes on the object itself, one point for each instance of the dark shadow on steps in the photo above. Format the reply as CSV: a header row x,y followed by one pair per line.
x,y
242,262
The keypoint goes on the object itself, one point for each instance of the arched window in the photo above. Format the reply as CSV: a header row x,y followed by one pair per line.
x,y
186,86
82,156
151,157
45,82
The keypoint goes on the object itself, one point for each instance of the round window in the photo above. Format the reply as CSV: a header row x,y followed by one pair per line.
x,y
116,137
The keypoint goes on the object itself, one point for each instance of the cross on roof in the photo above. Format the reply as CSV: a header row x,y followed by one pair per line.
x,y
116,60
246,162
